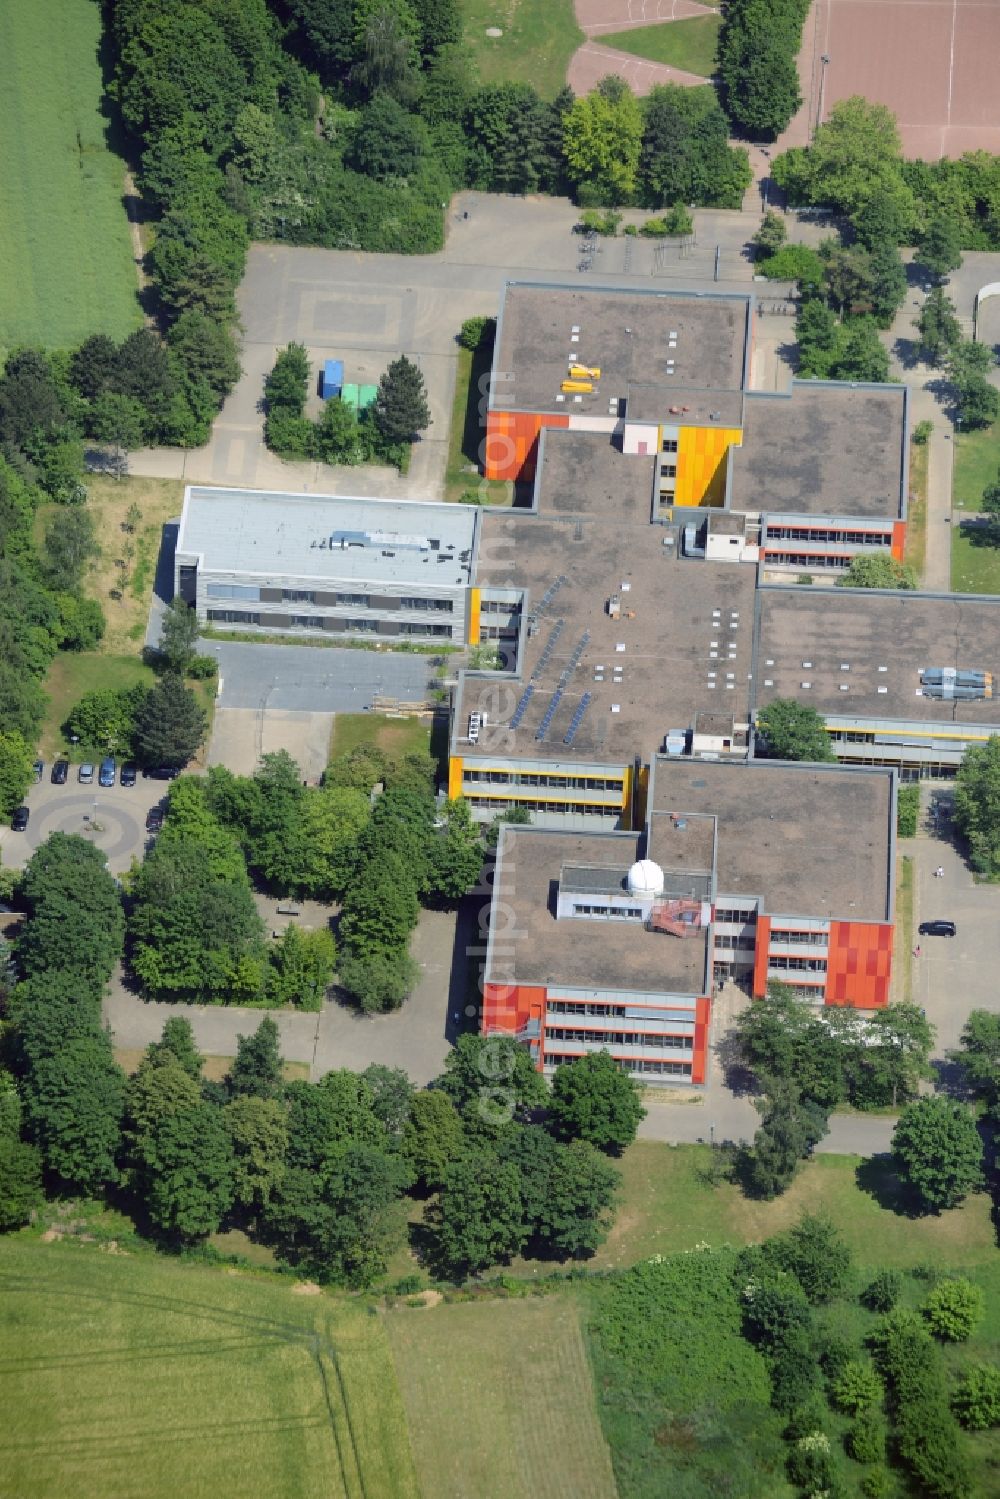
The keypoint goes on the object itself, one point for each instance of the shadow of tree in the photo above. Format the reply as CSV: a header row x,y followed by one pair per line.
x,y
877,1178
740,1078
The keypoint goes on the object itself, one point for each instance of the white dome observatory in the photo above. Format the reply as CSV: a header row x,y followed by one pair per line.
x,y
645,878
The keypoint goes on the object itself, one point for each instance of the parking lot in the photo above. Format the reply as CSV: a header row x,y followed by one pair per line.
x,y
113,818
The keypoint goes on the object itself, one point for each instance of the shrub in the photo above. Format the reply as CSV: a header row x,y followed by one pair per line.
x,y
794,263
654,229
292,437
907,811
202,668
976,1402
877,1484
810,1464
600,221
882,1293
856,1388
476,331
678,221
922,432
865,1438
953,1309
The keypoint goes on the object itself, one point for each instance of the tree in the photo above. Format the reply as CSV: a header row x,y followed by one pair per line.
x,y
479,1216
953,1309
492,1081
20,1182
206,350
93,367
938,1152
16,758
816,1255
388,142
816,329
105,719
178,637
433,1137
888,284
380,908
379,980
75,922
686,156
770,237
256,1069
386,33
286,386
793,731
856,1388
258,1135
401,410
977,805
337,436
790,1127
861,355
877,570
73,1101
187,1168
392,1096
602,144
178,1040
575,1216
171,725
456,855
883,1291
938,326
69,546
977,402
885,1054
940,247
594,1100
976,1401
121,421
758,45
301,967
515,140
855,158
332,820
979,1056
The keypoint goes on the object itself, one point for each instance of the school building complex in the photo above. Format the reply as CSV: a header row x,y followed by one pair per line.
x,y
632,614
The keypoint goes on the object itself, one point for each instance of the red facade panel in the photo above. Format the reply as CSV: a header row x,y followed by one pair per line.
x,y
702,1022
859,964
512,442
760,957
898,539
509,1007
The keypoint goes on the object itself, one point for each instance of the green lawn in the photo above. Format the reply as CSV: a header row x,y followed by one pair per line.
x,y
137,1375
74,673
468,431
688,45
64,241
975,567
539,38
396,736
916,514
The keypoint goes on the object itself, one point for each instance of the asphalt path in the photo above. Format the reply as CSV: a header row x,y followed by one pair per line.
x,y
314,679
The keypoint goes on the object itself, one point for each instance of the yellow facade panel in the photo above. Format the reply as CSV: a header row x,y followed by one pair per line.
x,y
475,610
701,464
454,777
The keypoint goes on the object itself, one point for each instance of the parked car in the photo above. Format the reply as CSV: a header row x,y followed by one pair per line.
x,y
60,773
85,774
162,773
127,777
154,819
937,929
106,775
20,820
39,769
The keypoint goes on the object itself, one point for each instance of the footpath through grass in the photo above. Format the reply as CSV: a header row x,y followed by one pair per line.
x,y
65,249
538,38
689,45
975,562
137,1375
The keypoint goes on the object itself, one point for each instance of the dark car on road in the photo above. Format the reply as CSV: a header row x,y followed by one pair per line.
x,y
937,929
127,777
162,773
154,819
60,773
20,820
106,775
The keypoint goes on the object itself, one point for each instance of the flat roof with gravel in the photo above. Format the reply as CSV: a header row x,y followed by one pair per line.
x,y
628,335
823,449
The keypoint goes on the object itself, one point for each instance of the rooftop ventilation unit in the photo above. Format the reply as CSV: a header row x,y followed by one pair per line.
x,y
949,683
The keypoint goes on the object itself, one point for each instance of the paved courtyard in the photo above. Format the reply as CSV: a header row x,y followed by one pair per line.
x,y
311,679
118,814
240,736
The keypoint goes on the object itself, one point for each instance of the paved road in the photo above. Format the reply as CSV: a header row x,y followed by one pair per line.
x,y
311,679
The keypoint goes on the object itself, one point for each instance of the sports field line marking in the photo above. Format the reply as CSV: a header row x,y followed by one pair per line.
x,y
951,59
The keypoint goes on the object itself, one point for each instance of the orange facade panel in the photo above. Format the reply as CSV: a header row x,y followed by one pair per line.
x,y
898,539
701,464
507,1008
511,448
859,964
702,1022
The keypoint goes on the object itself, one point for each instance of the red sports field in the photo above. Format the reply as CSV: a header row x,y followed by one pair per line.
x,y
933,62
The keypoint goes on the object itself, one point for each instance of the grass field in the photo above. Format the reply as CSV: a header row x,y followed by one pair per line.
x,y
500,1401
138,1376
396,736
539,38
916,516
72,674
64,239
108,501
902,958
975,567
689,45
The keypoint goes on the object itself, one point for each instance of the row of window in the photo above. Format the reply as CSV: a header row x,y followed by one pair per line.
x,y
315,622
817,533
619,1038
791,965
801,939
669,445
359,600
499,606
629,1064
736,918
497,805
611,913
582,1007
533,778
809,559
723,940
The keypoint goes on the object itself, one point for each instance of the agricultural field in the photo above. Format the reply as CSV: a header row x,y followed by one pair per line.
x,y
538,38
134,1375
688,45
500,1400
64,238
